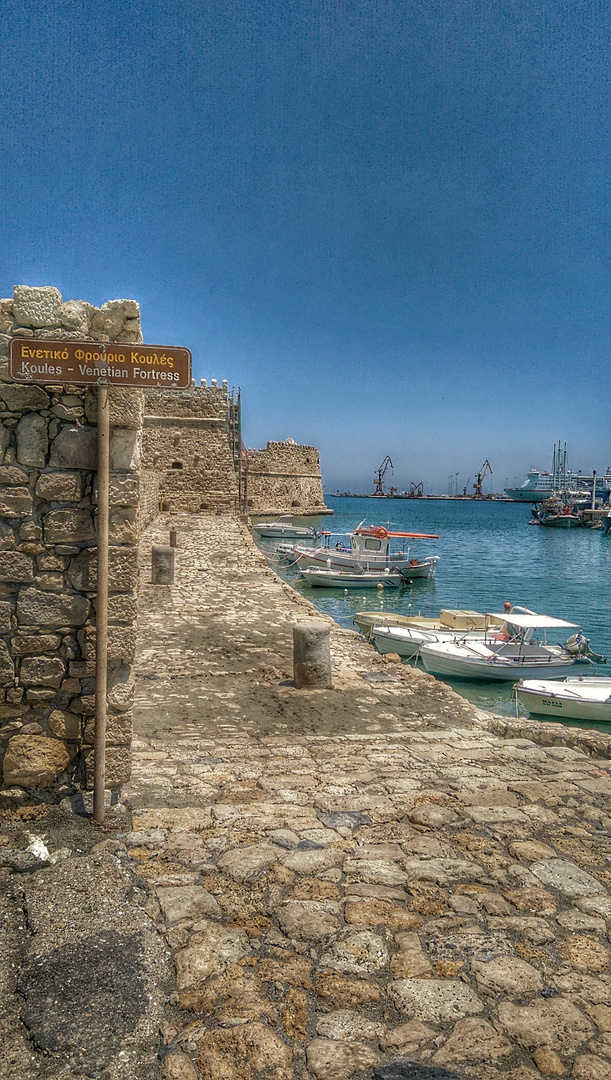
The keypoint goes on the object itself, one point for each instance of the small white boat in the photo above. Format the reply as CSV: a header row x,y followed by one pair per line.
x,y
420,568
352,579
407,641
573,698
284,528
370,548
499,657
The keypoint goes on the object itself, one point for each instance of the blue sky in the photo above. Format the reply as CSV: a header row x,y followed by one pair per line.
x,y
386,220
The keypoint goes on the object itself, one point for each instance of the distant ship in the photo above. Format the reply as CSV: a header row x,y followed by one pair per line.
x,y
540,485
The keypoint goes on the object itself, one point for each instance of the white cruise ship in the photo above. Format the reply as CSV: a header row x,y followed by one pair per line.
x,y
540,485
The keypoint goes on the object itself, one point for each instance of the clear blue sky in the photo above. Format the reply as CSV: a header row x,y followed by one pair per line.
x,y
387,220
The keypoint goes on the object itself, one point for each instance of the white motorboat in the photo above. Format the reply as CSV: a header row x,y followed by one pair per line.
x,y
370,548
352,579
284,528
576,698
503,657
407,641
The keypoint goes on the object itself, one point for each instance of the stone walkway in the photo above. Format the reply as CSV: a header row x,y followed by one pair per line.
x,y
361,882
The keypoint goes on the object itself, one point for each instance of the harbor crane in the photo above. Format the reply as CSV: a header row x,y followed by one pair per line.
x,y
380,474
416,491
477,487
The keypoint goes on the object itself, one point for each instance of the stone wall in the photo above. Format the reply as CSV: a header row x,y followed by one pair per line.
x,y
187,442
285,477
48,453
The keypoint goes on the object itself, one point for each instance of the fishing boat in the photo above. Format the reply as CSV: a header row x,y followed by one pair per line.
x,y
284,528
456,619
352,579
557,513
368,547
502,657
571,699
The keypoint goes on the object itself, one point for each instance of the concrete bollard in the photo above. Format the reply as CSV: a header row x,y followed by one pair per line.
x,y
162,564
312,655
173,537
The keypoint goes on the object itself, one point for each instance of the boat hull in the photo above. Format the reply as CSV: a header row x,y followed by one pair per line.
x,y
456,663
335,579
568,699
289,532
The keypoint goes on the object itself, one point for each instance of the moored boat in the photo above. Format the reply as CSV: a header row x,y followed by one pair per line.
x,y
352,579
496,658
407,641
284,528
576,698
456,619
370,548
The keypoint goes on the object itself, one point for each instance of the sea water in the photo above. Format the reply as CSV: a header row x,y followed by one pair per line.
x,y
489,554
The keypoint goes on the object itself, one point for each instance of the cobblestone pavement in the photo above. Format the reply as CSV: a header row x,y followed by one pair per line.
x,y
362,882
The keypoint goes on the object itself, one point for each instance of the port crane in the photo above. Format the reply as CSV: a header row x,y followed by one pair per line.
x,y
380,474
416,491
477,487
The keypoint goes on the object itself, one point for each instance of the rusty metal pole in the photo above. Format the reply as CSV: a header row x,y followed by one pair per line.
x,y
101,659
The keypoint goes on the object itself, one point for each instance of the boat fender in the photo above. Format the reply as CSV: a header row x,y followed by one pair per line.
x,y
413,562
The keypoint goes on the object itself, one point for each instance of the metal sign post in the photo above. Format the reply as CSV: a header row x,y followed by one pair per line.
x,y
101,636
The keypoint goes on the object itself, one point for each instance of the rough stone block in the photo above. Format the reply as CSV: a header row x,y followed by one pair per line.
x,y
125,448
35,644
15,502
74,448
37,307
19,397
122,571
7,668
121,643
11,474
126,406
68,526
35,761
122,608
76,315
60,486
32,440
6,610
65,724
42,671
121,685
15,566
123,526
37,608
110,318
118,765
119,729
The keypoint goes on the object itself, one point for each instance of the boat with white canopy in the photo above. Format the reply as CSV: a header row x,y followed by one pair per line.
x,y
509,653
576,698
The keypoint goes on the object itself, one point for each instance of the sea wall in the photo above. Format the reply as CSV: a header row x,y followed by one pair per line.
x,y
285,476
188,444
48,557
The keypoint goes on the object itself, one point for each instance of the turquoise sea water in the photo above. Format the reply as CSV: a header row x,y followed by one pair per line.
x,y
488,554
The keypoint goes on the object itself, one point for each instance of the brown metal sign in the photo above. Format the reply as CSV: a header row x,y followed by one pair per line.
x,y
32,360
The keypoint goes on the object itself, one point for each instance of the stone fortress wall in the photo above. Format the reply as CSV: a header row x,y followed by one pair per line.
x,y
172,450
48,458
188,450
285,477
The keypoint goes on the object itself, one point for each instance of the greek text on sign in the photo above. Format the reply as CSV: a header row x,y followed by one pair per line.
x,y
33,360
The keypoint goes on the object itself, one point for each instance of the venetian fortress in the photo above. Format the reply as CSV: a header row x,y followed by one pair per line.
x,y
178,451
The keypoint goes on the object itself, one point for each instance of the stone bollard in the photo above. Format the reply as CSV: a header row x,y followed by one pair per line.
x,y
173,536
162,564
312,655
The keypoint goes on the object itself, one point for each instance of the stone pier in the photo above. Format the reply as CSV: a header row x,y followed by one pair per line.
x,y
365,882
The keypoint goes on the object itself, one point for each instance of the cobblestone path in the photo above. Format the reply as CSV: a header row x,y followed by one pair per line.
x,y
362,882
